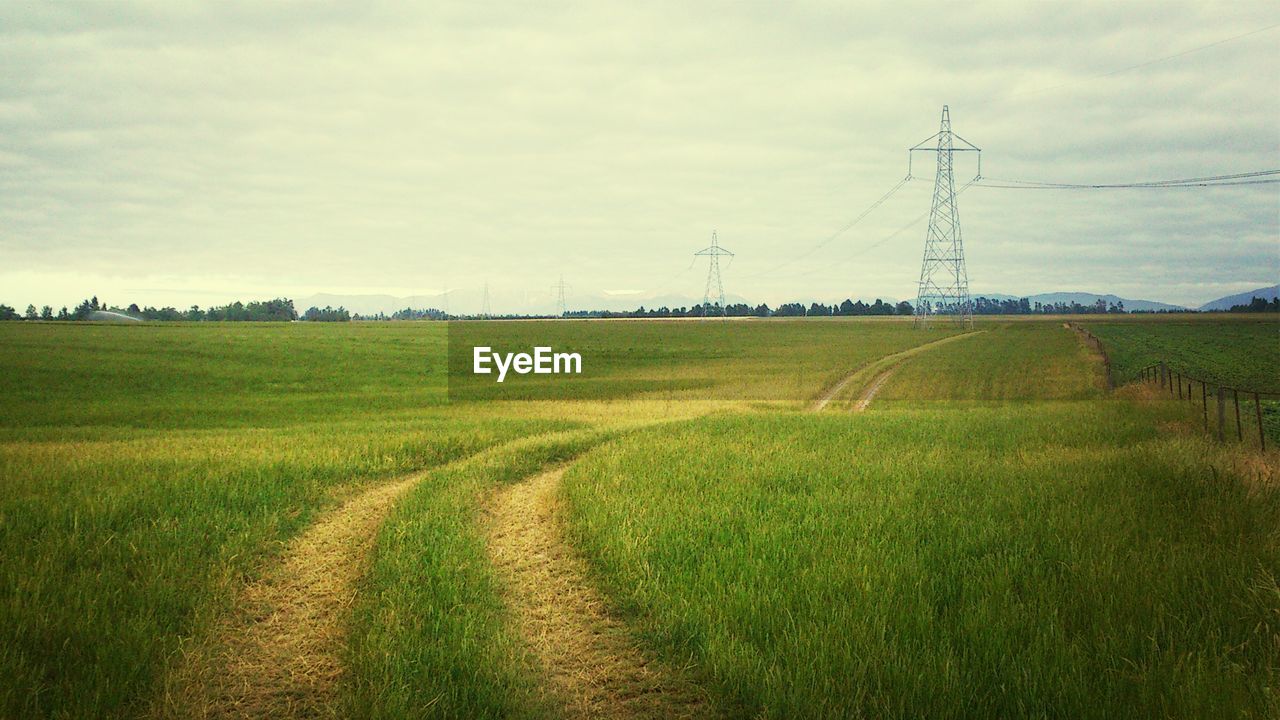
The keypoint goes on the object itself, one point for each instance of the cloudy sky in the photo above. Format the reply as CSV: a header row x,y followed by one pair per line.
x,y
173,153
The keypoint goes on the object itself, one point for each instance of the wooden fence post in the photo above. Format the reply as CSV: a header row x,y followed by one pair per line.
x,y
1204,402
1235,394
1222,413
1262,436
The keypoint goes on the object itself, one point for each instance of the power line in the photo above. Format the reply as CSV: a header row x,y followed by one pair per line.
x,y
848,226
864,250
1256,177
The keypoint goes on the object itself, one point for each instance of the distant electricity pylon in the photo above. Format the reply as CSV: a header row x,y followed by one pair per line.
x,y
485,310
944,281
559,289
714,252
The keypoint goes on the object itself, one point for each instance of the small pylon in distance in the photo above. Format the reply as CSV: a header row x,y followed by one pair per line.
x,y
714,282
559,289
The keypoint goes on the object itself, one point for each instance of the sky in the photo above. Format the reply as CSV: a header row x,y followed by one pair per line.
x,y
172,153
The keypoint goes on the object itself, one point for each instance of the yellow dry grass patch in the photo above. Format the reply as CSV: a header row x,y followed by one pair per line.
x,y
592,668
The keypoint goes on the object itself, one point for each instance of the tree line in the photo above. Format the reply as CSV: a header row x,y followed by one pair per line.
x,y
275,310
282,309
1258,304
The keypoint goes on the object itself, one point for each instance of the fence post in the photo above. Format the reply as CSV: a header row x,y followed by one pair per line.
x,y
1262,436
1222,413
1235,394
1204,401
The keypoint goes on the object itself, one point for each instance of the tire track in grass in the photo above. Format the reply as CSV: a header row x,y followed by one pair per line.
x,y
869,394
593,668
279,654
885,365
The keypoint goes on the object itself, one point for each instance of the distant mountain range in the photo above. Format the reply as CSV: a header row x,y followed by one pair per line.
x,y
468,301
1225,303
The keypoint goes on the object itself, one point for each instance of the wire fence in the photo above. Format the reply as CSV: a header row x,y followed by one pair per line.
x,y
1219,401
1223,402
1092,341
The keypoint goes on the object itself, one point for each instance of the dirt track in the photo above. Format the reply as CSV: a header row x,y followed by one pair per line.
x,y
279,654
593,668
885,365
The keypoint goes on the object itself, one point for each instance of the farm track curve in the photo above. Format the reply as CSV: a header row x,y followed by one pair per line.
x,y
886,365
592,666
870,393
279,654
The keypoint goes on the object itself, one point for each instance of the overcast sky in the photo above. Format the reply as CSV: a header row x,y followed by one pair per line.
x,y
173,153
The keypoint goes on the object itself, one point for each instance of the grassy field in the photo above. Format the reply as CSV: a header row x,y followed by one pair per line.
x,y
735,360
982,538
1065,560
1029,362
146,471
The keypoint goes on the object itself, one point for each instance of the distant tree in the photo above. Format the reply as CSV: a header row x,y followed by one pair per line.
x,y
31,313
195,313
904,308
328,314
8,313
46,313
134,309
84,309
63,314
427,314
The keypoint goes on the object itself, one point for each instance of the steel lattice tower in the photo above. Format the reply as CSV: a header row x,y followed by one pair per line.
x,y
485,311
944,281
559,288
714,252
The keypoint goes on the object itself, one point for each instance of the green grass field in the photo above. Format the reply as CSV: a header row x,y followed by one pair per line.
x,y
996,536
1237,351
1028,362
1063,560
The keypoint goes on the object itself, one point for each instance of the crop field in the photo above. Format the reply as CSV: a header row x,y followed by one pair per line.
x,y
777,518
1240,353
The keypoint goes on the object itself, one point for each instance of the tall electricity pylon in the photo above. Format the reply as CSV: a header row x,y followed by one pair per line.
x,y
485,311
714,252
559,289
944,281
